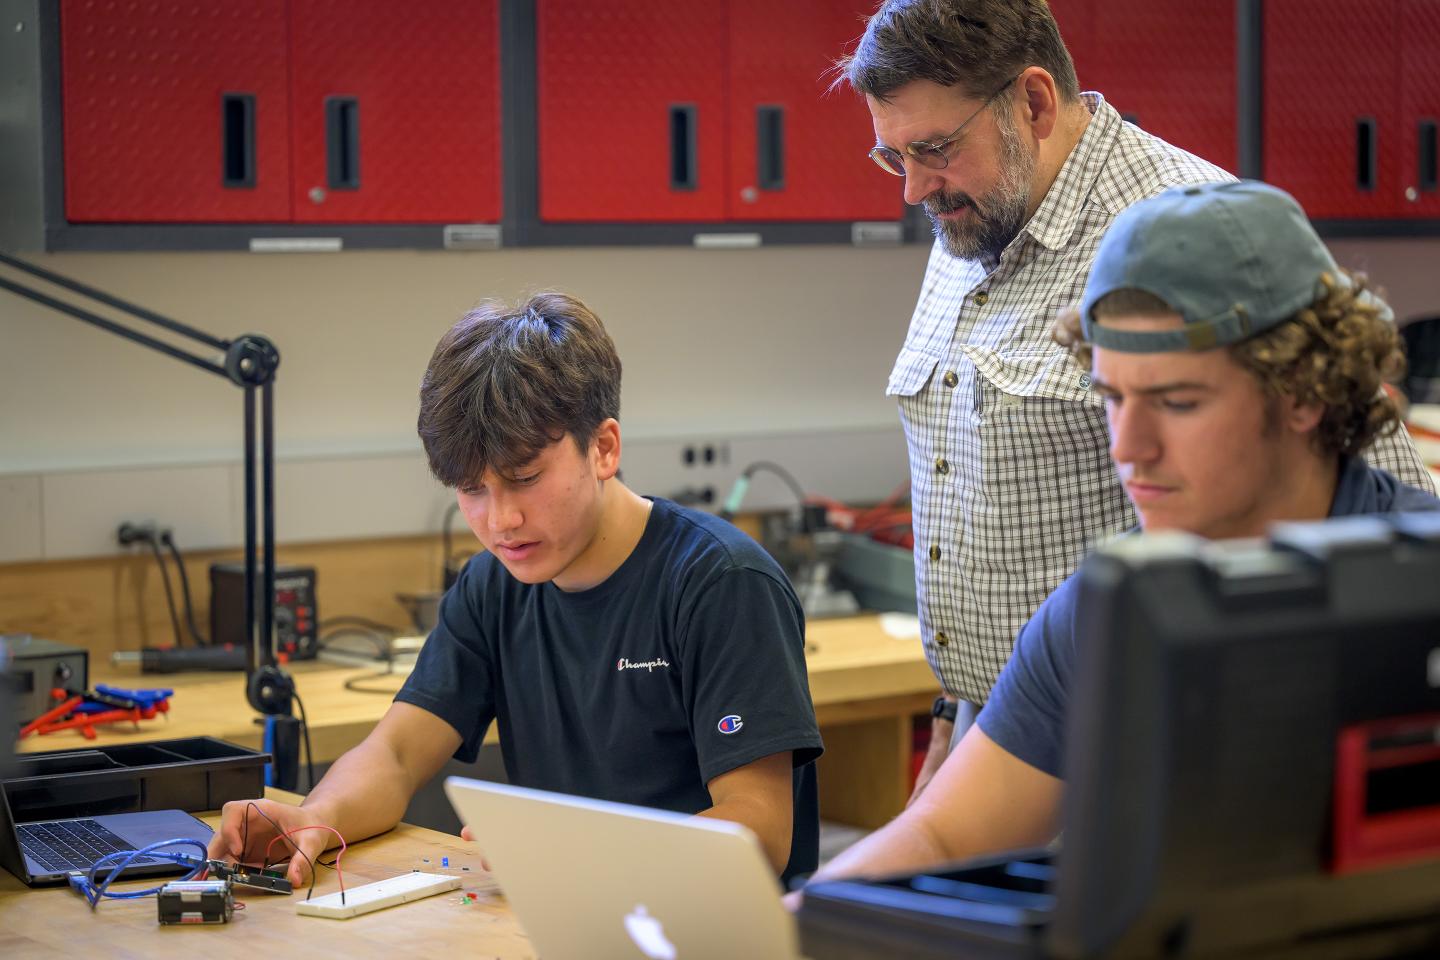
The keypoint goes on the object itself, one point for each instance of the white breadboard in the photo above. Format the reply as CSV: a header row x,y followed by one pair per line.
x,y
377,895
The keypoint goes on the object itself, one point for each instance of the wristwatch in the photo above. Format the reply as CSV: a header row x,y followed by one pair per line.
x,y
944,709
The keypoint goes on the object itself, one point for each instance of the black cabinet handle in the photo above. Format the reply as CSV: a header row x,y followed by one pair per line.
x,y
1426,161
342,143
1365,153
683,172
770,147
237,140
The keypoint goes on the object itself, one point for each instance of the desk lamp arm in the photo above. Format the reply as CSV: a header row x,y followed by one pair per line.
x,y
250,362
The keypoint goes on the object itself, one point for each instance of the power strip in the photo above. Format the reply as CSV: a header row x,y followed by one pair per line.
x,y
377,895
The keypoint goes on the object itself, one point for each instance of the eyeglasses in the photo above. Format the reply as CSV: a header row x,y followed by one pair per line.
x,y
929,153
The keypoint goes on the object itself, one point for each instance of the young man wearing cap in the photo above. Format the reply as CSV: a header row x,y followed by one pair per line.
x,y
1240,371
630,649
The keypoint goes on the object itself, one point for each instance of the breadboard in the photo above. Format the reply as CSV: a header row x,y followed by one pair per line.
x,y
377,895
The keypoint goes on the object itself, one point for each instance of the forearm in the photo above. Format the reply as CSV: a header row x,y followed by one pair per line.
x,y
904,845
365,792
771,825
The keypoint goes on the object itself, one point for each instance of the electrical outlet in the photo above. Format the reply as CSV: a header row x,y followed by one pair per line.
x,y
129,533
859,466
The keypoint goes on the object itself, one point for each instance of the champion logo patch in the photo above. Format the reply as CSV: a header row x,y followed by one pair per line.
x,y
649,666
730,724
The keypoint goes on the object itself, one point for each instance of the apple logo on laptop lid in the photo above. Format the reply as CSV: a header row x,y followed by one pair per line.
x,y
648,934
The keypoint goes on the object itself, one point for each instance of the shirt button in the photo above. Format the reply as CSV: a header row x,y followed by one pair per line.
x,y
950,379
934,551
941,639
942,466
982,298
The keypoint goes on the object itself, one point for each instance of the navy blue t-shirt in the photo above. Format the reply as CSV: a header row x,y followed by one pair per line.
x,y
685,663
1026,711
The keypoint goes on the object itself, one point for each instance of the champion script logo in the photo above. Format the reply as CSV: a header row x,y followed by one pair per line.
x,y
646,665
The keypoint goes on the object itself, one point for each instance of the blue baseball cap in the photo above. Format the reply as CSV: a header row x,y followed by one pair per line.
x,y
1232,259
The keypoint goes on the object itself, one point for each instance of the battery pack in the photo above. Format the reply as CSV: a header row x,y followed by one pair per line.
x,y
195,901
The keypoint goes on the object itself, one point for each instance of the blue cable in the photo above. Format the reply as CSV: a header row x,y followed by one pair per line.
x,y
92,892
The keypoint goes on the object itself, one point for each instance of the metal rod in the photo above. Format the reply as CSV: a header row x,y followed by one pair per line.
x,y
252,646
118,329
267,519
75,286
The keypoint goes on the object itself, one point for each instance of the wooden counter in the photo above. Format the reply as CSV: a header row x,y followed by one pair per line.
x,y
55,922
866,685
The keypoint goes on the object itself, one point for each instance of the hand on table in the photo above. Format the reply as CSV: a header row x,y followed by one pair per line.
x,y
248,832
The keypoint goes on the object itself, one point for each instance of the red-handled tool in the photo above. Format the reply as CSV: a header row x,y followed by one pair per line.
x,y
49,716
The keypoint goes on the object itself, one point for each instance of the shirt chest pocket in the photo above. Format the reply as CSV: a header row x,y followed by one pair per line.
x,y
913,369
1013,388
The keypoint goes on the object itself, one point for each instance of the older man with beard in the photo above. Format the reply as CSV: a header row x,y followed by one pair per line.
x,y
976,105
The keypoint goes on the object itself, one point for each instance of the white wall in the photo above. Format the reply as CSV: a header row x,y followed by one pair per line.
x,y
784,351
717,342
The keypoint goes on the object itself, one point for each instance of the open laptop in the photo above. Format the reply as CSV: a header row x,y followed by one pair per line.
x,y
44,851
589,878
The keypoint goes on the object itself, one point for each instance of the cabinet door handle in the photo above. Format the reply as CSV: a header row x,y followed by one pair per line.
x,y
237,140
770,148
684,174
1365,153
342,143
1426,161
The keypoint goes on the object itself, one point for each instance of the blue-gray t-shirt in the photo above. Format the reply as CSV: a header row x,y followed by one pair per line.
x,y
685,663
1025,714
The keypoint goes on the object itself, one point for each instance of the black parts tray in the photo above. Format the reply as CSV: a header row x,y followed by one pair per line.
x,y
191,774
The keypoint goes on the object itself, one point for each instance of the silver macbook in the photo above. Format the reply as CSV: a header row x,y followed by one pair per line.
x,y
46,851
595,880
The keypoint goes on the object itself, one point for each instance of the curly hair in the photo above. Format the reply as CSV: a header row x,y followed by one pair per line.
x,y
1337,352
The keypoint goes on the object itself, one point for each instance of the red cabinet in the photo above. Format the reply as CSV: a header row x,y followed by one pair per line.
x,y
1170,67
702,111
631,113
396,111
797,149
175,111
270,111
1419,114
1331,84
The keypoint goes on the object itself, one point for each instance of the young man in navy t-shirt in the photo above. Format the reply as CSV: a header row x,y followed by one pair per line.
x,y
1241,374
631,649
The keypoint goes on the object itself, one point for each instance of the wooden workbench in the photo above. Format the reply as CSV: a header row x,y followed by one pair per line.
x,y
55,922
866,685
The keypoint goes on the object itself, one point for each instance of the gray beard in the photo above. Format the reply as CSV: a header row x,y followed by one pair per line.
x,y
997,218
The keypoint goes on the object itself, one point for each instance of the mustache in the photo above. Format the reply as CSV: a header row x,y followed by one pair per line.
x,y
940,203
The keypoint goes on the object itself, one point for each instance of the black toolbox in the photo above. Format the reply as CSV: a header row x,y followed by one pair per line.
x,y
191,774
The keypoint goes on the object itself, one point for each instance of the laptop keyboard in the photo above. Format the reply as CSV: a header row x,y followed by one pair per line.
x,y
64,845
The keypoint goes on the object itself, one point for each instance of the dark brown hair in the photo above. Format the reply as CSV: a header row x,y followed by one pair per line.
x,y
1336,352
509,380
976,45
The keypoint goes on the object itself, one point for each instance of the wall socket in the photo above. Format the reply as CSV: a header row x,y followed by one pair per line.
x,y
860,466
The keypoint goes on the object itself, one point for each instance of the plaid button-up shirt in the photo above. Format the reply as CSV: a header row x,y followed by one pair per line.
x,y
1011,478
